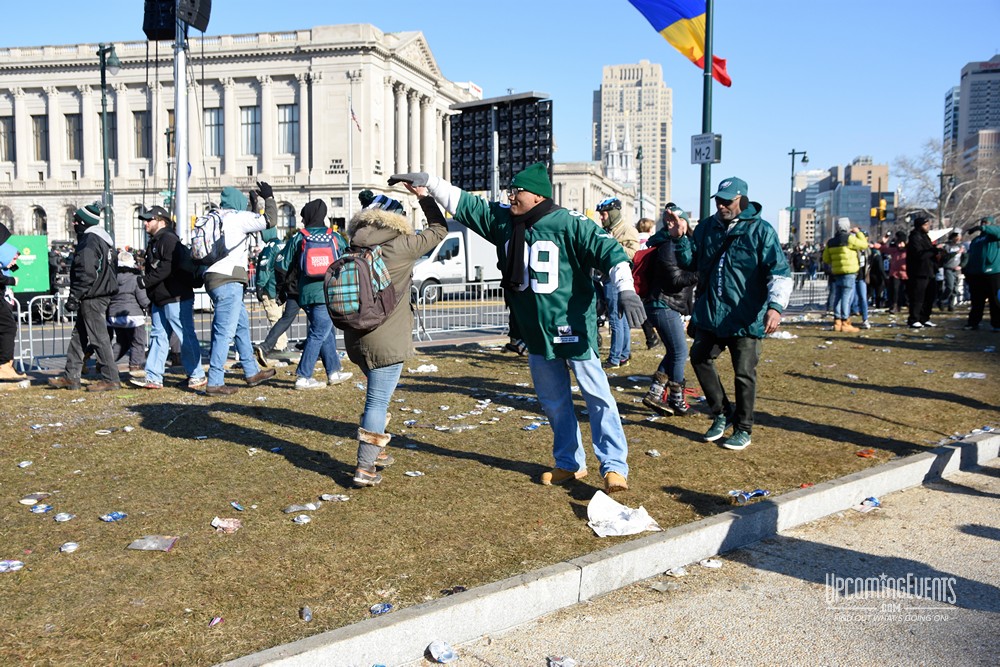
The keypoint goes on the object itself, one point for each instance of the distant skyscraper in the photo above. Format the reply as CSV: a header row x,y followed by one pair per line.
x,y
980,99
635,106
951,110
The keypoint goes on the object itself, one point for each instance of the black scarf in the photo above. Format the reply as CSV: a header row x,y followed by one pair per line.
x,y
514,271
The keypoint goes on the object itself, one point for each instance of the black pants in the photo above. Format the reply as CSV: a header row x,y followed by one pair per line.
x,y
922,292
92,330
8,331
131,341
744,352
982,289
897,294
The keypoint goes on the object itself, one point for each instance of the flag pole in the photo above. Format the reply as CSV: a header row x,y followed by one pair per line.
x,y
350,151
706,112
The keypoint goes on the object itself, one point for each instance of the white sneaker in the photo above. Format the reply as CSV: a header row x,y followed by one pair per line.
x,y
866,325
916,325
928,323
339,376
309,383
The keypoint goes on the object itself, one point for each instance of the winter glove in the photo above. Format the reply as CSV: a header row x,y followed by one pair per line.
x,y
72,305
254,206
141,282
417,179
265,190
630,307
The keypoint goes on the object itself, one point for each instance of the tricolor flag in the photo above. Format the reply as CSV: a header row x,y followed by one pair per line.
x,y
355,118
682,23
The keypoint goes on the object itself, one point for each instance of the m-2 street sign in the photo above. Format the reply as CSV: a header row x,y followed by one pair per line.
x,y
706,148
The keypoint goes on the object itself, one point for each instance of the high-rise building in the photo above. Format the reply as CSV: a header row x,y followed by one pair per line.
x,y
634,105
952,107
319,113
980,99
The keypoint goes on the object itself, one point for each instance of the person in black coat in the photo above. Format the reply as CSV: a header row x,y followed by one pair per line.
x,y
921,265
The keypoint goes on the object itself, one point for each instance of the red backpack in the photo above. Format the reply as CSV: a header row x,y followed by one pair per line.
x,y
318,252
642,271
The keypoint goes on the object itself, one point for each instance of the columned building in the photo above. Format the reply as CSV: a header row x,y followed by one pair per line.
x,y
302,110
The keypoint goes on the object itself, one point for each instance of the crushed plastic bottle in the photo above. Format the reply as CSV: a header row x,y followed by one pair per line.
x,y
62,517
380,608
40,509
113,516
10,565
306,614
743,497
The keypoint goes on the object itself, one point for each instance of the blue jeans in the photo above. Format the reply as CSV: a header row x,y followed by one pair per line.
x,y
321,342
176,317
552,384
621,334
860,302
381,384
843,290
229,321
670,325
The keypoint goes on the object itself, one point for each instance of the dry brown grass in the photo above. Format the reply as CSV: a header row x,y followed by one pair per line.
x,y
477,516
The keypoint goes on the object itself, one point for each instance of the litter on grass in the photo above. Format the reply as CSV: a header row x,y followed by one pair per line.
x,y
335,497
867,505
154,543
227,526
969,376
380,608
608,517
305,507
560,661
413,473
423,368
743,497
710,563
783,335
866,453
654,453
10,565
676,572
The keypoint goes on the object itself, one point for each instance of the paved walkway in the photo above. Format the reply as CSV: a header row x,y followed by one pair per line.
x,y
770,603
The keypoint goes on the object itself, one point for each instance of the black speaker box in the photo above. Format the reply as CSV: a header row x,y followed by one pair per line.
x,y
195,13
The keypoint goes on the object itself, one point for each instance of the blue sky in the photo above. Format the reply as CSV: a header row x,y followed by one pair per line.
x,y
838,79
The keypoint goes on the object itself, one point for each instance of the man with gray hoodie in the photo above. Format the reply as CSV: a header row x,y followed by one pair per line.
x,y
225,281
93,280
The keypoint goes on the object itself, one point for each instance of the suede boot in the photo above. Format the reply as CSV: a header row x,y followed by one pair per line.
x,y
838,324
847,327
655,398
9,374
370,446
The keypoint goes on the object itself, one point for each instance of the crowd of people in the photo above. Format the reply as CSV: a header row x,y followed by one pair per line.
x,y
724,282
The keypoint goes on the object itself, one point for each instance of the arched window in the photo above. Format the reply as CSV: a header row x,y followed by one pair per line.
x,y
286,217
39,221
138,230
70,212
7,218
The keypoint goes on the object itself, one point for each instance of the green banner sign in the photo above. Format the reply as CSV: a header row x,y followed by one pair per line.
x,y
33,274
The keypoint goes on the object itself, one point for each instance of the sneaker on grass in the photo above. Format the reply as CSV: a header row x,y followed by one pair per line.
x,y
737,441
339,376
718,428
309,383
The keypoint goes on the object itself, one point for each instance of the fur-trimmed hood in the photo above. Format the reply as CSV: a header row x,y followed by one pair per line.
x,y
372,226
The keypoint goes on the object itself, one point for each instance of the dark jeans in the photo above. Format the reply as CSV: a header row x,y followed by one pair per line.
x,y
130,341
982,289
8,331
91,330
922,291
281,326
745,352
897,294
670,326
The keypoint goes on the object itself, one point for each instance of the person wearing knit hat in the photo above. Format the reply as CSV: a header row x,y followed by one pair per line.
x,y
366,197
921,265
555,305
127,315
982,270
267,291
93,280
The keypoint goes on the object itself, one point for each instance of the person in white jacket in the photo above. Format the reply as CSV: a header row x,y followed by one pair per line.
x,y
225,281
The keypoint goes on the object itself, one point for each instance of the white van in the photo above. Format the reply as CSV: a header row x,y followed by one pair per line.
x,y
462,257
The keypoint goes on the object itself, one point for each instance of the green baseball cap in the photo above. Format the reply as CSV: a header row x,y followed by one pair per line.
x,y
731,188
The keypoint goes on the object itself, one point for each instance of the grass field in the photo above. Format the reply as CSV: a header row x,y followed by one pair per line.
x,y
476,515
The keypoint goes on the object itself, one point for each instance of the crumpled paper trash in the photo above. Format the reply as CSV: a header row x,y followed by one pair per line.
x,y
609,517
423,368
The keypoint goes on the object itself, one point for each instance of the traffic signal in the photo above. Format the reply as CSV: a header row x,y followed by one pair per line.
x,y
881,209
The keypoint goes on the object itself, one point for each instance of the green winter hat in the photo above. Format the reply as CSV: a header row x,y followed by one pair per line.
x,y
88,215
534,179
988,220
366,197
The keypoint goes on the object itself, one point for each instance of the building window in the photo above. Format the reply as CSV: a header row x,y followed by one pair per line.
x,y
39,221
170,133
250,130
286,216
138,230
288,129
40,135
214,134
143,134
112,135
74,137
7,153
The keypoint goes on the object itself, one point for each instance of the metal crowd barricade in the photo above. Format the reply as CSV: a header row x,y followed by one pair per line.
x,y
460,307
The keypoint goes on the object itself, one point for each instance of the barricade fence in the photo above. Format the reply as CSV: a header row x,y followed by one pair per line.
x,y
44,327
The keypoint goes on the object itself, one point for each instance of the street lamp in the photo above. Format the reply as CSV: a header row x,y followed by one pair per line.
x,y
638,157
109,63
791,189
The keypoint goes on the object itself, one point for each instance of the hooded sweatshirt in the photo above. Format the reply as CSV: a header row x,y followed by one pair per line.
x,y
623,233
94,272
237,224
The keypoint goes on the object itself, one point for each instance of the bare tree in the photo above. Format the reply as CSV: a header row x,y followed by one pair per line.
x,y
944,184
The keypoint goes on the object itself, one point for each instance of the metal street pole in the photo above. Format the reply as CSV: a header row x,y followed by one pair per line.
x,y
183,224
638,157
706,111
791,191
109,61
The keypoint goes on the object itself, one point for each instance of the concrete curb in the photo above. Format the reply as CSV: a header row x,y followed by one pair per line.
x,y
403,636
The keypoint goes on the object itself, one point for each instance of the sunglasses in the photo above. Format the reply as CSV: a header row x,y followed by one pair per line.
x,y
513,191
724,202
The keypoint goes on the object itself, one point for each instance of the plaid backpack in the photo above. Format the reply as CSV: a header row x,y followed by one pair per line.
x,y
359,293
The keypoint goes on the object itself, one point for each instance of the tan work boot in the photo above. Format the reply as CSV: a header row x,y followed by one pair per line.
x,y
847,327
9,373
560,476
614,482
838,325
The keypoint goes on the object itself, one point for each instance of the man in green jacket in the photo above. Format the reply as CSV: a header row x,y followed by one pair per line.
x,y
982,270
744,284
